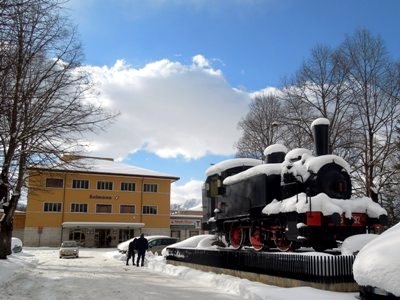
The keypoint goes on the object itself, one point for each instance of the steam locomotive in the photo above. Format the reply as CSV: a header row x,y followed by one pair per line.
x,y
294,199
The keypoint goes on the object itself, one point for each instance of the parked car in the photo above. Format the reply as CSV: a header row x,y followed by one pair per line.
x,y
156,243
69,249
16,245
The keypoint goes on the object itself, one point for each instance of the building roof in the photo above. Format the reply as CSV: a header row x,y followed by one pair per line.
x,y
107,166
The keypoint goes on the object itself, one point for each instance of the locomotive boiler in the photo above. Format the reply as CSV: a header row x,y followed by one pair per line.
x,y
292,199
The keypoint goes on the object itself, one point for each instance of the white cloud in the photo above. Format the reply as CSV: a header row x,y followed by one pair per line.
x,y
268,91
168,108
188,191
201,61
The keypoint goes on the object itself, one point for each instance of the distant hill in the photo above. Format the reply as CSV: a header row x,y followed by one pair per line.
x,y
192,204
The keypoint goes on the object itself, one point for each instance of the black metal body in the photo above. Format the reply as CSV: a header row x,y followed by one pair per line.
x,y
244,200
234,209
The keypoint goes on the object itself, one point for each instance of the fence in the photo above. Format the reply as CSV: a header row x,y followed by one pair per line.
x,y
313,268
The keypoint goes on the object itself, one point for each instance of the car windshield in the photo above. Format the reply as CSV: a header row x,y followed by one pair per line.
x,y
69,244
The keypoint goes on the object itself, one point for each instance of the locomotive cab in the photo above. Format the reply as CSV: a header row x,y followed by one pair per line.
x,y
214,189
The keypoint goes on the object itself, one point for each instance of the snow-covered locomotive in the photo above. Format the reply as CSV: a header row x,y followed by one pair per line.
x,y
293,199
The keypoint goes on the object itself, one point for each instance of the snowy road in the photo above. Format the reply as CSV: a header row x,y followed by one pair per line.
x,y
98,274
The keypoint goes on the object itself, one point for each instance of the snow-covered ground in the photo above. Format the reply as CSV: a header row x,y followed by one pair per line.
x,y
38,273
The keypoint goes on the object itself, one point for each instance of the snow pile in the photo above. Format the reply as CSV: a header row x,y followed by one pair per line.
x,y
326,205
301,163
16,245
267,169
353,244
245,288
378,262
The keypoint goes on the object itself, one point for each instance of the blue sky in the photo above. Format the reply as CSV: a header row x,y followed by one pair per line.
x,y
182,72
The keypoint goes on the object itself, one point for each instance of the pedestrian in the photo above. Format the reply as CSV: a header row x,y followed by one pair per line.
x,y
131,252
141,245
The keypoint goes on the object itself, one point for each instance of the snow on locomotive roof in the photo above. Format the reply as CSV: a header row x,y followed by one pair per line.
x,y
320,121
232,163
267,169
300,162
315,163
275,148
326,205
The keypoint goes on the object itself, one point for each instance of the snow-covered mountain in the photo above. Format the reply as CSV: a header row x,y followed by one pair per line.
x,y
191,204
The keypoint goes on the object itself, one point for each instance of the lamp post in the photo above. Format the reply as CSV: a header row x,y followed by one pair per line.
x,y
273,125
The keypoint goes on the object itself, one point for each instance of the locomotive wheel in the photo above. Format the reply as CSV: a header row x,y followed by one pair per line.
x,y
255,238
282,243
236,236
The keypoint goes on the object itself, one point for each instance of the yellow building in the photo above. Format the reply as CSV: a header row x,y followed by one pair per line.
x,y
96,201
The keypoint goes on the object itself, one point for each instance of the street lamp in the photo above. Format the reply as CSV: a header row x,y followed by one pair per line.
x,y
273,124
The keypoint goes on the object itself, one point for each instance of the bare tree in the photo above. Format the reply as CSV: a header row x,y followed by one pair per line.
x,y
44,97
259,126
357,87
374,87
319,89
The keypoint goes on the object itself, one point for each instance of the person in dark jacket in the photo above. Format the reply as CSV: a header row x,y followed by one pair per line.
x,y
131,252
141,245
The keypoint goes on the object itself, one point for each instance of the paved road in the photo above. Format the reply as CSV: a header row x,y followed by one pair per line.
x,y
96,274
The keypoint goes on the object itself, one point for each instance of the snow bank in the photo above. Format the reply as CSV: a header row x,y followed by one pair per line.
x,y
353,244
378,262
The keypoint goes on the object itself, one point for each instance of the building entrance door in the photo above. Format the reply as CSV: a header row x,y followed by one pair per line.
x,y
102,238
77,235
125,234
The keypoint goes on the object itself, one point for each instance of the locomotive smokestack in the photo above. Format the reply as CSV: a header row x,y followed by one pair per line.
x,y
275,153
320,128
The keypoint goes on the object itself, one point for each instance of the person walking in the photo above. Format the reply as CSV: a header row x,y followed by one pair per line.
x,y
141,245
131,252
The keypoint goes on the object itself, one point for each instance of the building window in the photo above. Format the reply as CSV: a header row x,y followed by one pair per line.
x,y
54,182
193,233
176,233
149,210
127,186
103,208
104,185
80,184
52,206
150,187
79,207
127,209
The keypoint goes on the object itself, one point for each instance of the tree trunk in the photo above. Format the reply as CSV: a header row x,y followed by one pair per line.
x,y
5,238
6,226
